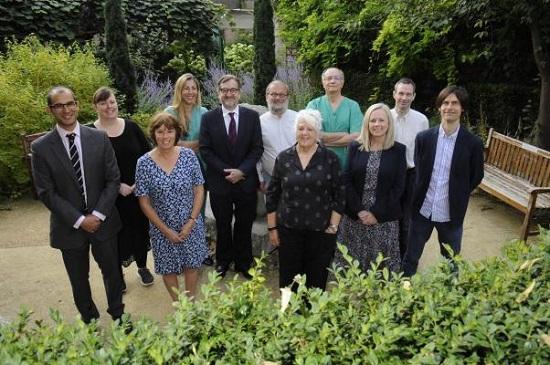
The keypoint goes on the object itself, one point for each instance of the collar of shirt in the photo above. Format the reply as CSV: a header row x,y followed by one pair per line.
x,y
227,111
63,133
451,136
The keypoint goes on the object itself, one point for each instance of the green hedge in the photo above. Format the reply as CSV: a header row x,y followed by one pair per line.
x,y
27,71
493,312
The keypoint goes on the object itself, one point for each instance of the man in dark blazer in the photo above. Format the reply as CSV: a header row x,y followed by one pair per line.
x,y
449,166
231,145
77,178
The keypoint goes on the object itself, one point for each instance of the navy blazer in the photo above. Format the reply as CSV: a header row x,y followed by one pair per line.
x,y
391,182
465,175
218,154
57,186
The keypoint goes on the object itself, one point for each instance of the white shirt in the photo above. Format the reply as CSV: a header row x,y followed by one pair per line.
x,y
406,129
436,203
63,133
227,118
278,134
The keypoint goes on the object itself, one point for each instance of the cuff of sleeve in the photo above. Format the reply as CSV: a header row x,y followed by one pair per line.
x,y
99,215
78,222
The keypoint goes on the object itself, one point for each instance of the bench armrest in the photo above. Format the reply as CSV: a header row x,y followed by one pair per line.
x,y
539,190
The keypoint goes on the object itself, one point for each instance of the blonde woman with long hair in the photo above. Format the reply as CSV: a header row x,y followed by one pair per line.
x,y
375,180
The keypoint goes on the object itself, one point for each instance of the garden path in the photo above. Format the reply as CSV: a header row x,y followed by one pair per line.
x,y
32,274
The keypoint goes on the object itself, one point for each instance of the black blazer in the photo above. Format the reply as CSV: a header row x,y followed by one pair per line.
x,y
218,154
57,187
465,175
391,182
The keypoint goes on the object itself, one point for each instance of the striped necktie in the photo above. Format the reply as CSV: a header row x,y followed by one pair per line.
x,y
75,160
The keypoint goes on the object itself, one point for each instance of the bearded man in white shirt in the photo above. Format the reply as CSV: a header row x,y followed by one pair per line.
x,y
408,123
278,131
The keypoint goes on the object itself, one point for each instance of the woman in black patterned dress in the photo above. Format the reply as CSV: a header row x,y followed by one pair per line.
x,y
375,181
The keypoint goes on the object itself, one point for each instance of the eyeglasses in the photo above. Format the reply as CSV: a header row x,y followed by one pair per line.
x,y
70,105
277,95
229,91
335,78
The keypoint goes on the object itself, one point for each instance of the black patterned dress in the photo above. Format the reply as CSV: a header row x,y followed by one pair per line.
x,y
365,242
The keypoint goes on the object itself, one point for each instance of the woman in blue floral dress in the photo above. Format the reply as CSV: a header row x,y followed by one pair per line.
x,y
169,186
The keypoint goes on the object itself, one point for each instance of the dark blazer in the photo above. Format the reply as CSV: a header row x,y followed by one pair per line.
x,y
465,175
391,182
57,187
218,154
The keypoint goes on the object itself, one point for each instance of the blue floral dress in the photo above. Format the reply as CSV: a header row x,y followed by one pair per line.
x,y
171,196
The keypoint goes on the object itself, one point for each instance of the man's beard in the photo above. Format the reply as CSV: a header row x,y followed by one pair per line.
x,y
278,108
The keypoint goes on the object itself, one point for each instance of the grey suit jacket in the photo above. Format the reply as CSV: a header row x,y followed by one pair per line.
x,y
57,187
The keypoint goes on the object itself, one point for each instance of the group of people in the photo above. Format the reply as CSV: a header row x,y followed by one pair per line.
x,y
378,183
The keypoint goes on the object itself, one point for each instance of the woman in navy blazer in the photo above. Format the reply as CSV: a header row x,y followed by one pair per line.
x,y
375,181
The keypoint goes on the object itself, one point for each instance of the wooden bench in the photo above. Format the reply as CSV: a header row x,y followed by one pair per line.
x,y
518,174
26,140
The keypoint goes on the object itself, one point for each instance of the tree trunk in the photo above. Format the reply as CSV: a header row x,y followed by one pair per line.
x,y
542,60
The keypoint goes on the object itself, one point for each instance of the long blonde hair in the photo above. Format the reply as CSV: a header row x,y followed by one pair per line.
x,y
364,136
178,104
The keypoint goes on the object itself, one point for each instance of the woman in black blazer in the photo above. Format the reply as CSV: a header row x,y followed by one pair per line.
x,y
375,181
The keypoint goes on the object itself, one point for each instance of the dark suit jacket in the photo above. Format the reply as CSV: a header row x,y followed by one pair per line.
x,y
218,154
391,182
57,187
465,175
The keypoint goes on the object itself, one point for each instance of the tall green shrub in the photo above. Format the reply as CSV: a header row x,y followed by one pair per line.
x,y
264,44
118,56
27,70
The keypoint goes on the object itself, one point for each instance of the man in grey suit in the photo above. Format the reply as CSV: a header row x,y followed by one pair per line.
x,y
77,178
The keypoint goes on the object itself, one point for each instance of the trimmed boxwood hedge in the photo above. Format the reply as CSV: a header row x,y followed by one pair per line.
x,y
496,311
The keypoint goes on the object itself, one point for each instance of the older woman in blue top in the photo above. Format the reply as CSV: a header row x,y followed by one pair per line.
x,y
186,108
375,180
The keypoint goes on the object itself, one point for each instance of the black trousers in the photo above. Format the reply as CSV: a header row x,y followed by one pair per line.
x,y
305,252
234,244
77,264
406,205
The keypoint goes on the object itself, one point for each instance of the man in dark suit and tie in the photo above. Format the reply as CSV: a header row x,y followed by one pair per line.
x,y
77,178
449,166
231,145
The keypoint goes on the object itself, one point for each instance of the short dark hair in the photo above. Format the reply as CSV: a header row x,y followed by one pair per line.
x,y
405,81
459,91
228,77
164,119
59,89
102,94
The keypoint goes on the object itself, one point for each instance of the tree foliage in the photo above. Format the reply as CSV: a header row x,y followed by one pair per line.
x,y
118,57
264,46
488,46
152,25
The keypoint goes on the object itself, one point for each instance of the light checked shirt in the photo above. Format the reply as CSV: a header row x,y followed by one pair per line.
x,y
436,203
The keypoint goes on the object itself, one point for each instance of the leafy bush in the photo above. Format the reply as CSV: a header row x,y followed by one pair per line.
x,y
239,58
493,312
27,71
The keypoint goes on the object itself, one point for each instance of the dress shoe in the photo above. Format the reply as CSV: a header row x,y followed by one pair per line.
x,y
221,270
245,274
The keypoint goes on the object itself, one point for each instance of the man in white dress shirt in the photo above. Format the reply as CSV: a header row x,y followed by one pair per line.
x,y
277,129
408,123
